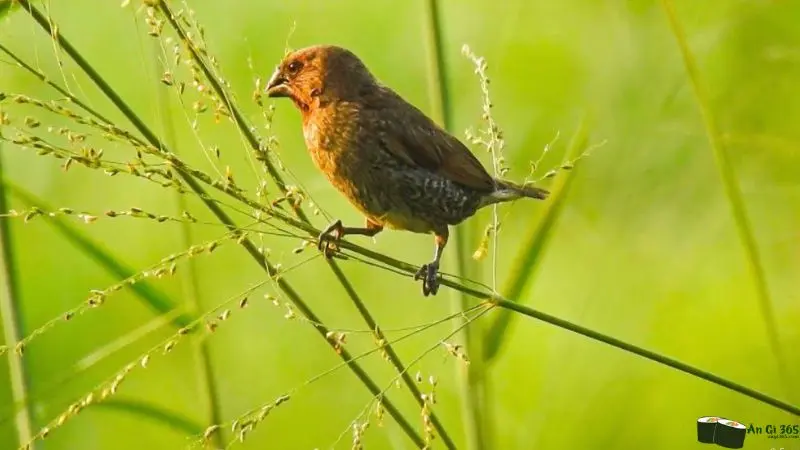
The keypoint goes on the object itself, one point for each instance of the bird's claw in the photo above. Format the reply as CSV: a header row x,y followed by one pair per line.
x,y
429,274
327,240
329,248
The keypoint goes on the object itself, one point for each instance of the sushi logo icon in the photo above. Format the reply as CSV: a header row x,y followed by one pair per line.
x,y
723,432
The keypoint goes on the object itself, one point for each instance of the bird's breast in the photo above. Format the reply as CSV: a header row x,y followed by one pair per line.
x,y
337,153
328,150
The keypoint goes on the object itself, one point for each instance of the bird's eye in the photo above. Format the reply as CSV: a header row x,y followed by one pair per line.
x,y
294,66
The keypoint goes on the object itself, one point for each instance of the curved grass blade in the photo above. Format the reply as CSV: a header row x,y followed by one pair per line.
x,y
12,321
527,260
154,414
150,295
734,196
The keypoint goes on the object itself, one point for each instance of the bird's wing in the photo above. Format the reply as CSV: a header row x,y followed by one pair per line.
x,y
409,135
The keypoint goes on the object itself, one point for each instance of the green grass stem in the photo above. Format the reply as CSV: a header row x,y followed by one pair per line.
x,y
13,330
733,194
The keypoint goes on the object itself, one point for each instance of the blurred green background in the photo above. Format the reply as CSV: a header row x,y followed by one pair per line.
x,y
646,248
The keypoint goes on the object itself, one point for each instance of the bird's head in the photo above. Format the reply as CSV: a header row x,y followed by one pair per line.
x,y
319,73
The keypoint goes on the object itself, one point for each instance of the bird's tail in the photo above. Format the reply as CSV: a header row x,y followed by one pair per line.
x,y
507,191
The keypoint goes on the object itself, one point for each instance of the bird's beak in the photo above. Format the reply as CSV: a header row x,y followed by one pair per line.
x,y
278,86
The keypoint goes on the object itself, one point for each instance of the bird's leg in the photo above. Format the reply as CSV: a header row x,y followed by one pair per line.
x,y
429,273
335,231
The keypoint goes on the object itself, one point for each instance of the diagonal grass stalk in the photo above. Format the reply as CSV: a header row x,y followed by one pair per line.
x,y
734,196
652,356
516,306
194,185
12,321
472,377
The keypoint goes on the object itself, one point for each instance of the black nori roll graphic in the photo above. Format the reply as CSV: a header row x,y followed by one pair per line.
x,y
730,434
706,427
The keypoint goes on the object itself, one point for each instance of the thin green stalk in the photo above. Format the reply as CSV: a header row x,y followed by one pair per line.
x,y
253,141
652,356
530,254
215,209
734,196
204,370
12,322
516,306
438,88
472,378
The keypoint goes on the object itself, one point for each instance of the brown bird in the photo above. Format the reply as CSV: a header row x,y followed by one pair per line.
x,y
398,167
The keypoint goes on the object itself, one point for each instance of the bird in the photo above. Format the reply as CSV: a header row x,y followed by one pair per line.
x,y
394,164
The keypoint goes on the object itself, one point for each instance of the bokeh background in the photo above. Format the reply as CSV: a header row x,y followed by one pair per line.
x,y
646,248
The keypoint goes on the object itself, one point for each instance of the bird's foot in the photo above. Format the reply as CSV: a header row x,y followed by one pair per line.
x,y
327,240
429,274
